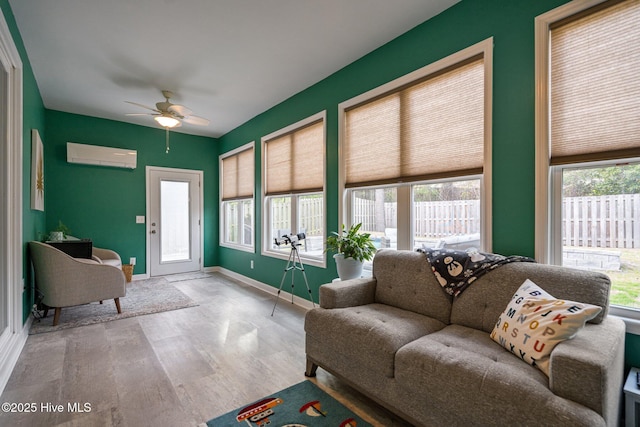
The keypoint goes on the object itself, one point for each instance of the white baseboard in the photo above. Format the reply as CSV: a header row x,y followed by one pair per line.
x,y
10,357
301,302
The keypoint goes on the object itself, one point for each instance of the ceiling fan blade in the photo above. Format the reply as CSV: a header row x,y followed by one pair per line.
x,y
180,110
142,105
195,120
140,114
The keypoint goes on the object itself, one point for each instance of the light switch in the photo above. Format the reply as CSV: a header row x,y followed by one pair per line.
x,y
139,219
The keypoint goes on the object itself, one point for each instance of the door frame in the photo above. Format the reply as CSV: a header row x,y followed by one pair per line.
x,y
12,247
200,208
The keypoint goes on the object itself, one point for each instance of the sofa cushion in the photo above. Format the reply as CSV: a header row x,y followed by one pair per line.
x,y
404,279
480,305
534,322
464,370
368,334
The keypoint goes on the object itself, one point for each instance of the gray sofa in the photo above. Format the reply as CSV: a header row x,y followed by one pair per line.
x,y
428,357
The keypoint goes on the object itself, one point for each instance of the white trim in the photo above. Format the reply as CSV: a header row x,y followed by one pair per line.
x,y
286,296
322,115
245,147
266,214
200,173
485,48
221,239
630,317
9,358
548,179
11,242
486,180
542,23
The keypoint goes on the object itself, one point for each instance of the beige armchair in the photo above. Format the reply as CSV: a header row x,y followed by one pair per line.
x,y
65,281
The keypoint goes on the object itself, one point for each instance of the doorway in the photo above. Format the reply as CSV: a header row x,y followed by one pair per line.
x,y
174,220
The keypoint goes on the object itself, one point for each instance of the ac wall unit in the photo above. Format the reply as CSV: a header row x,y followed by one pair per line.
x,y
101,156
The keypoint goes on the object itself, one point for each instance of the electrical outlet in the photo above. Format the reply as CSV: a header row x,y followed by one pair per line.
x,y
139,219
132,260
252,264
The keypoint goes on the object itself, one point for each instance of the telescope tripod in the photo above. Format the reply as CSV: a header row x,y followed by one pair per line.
x,y
294,263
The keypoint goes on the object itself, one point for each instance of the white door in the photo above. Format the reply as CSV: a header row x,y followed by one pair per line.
x,y
174,223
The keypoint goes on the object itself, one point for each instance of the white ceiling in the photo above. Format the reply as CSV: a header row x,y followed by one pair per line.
x,y
227,60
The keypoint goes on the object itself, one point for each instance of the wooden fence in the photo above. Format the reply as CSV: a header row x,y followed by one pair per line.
x,y
593,221
311,214
602,221
431,219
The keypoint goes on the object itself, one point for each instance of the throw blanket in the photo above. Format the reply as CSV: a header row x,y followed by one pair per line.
x,y
456,270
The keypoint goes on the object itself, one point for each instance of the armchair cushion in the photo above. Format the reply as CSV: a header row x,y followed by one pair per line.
x,y
106,256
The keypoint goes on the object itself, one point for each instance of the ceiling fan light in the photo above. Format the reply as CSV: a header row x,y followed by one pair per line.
x,y
167,121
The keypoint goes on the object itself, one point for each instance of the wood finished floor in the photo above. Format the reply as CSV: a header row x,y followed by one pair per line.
x,y
177,368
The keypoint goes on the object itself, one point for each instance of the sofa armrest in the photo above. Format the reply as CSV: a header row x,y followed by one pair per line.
x,y
348,293
589,369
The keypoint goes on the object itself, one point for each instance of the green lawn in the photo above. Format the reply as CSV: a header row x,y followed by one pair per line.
x,y
626,282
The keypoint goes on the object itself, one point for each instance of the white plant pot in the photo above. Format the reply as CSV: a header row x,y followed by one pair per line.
x,y
56,236
348,268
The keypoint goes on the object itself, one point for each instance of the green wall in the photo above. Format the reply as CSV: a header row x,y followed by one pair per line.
x,y
33,118
101,203
511,24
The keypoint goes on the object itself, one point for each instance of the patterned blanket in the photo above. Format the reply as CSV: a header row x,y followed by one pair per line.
x,y
456,270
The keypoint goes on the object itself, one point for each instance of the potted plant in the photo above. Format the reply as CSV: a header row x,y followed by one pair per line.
x,y
60,232
352,250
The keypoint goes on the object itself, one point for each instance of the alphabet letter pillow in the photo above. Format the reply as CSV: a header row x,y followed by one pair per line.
x,y
534,322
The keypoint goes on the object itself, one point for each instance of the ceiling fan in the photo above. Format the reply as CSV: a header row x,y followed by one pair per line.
x,y
169,115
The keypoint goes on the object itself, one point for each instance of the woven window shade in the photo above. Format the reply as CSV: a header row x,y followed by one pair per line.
x,y
430,129
295,161
595,89
237,176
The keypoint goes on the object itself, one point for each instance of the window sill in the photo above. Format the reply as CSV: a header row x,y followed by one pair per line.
x,y
630,317
316,262
238,247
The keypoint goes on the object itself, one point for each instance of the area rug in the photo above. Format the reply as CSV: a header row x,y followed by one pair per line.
x,y
303,404
143,297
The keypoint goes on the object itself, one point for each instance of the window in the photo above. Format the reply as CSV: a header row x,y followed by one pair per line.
x,y
443,213
588,163
293,186
414,168
236,189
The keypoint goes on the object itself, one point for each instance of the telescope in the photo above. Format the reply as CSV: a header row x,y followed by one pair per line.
x,y
291,239
294,263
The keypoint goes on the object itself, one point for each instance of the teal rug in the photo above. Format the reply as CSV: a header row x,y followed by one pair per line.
x,y
301,405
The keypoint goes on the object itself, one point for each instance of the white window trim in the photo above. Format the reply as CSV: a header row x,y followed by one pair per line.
x,y
266,214
404,200
222,242
485,48
543,180
223,223
546,185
